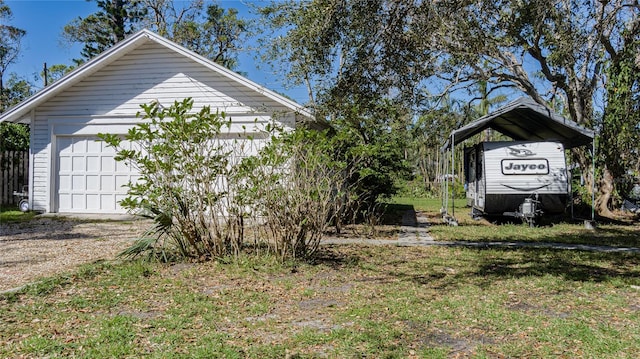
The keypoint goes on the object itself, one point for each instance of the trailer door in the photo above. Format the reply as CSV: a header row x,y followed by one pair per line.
x,y
480,179
470,176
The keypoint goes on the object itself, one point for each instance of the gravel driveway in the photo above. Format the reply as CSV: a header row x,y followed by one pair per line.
x,y
47,246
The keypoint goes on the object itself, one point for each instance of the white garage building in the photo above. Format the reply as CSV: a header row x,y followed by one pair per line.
x,y
72,172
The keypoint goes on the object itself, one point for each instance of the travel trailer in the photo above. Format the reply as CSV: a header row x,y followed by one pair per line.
x,y
517,178
524,178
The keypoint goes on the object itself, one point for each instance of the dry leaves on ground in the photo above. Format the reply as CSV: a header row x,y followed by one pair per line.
x,y
49,246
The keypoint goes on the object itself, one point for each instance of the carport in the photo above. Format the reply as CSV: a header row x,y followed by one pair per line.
x,y
522,120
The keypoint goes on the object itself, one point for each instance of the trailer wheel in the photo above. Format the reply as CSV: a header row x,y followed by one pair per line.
x,y
23,205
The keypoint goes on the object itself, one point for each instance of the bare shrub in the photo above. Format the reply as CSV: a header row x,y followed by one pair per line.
x,y
293,185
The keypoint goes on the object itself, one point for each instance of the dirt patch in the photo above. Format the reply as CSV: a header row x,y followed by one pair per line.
x,y
48,246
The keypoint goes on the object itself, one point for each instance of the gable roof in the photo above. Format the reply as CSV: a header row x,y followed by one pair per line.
x,y
526,120
125,46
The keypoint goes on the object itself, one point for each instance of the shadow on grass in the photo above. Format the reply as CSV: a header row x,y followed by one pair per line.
x,y
394,213
446,268
334,258
567,232
39,229
486,267
570,265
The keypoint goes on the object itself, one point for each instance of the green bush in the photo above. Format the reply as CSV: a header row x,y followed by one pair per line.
x,y
209,193
183,166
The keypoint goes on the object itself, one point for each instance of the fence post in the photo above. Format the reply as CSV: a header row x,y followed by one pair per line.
x,y
4,176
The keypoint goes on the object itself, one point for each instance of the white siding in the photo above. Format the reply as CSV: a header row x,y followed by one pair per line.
x,y
41,163
148,73
555,182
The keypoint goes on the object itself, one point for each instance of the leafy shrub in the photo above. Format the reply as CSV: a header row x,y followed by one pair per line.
x,y
208,193
183,166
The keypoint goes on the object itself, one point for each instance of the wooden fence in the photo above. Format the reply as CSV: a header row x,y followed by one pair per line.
x,y
14,174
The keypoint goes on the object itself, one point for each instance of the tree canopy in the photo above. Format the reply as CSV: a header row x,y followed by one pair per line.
x,y
10,39
560,53
99,31
211,31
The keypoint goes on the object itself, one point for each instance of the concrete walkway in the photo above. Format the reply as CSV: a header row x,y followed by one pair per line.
x,y
415,232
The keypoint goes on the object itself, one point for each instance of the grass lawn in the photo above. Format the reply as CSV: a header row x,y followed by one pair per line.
x,y
10,214
616,235
353,301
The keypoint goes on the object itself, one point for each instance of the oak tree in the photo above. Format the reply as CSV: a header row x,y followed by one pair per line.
x,y
555,52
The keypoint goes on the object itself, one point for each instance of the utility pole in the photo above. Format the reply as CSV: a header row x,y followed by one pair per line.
x,y
46,75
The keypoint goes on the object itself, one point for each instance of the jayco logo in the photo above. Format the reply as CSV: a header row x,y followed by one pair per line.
x,y
525,167
520,152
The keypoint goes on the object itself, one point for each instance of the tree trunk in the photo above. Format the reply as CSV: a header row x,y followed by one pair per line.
x,y
605,194
1,93
606,184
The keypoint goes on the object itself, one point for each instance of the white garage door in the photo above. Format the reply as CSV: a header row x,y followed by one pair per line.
x,y
89,179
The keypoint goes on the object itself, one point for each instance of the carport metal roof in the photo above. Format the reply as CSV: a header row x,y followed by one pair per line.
x,y
526,120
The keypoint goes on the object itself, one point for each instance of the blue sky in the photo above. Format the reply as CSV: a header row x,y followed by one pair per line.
x,y
44,19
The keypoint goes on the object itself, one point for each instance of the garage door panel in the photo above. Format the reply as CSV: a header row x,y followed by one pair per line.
x,y
77,163
107,183
64,182
93,163
122,180
94,146
104,148
93,201
77,201
79,145
92,183
65,145
89,179
122,167
64,200
77,183
64,164
107,164
107,202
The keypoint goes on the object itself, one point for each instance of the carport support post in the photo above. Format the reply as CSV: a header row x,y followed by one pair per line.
x,y
453,170
570,183
593,176
443,185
